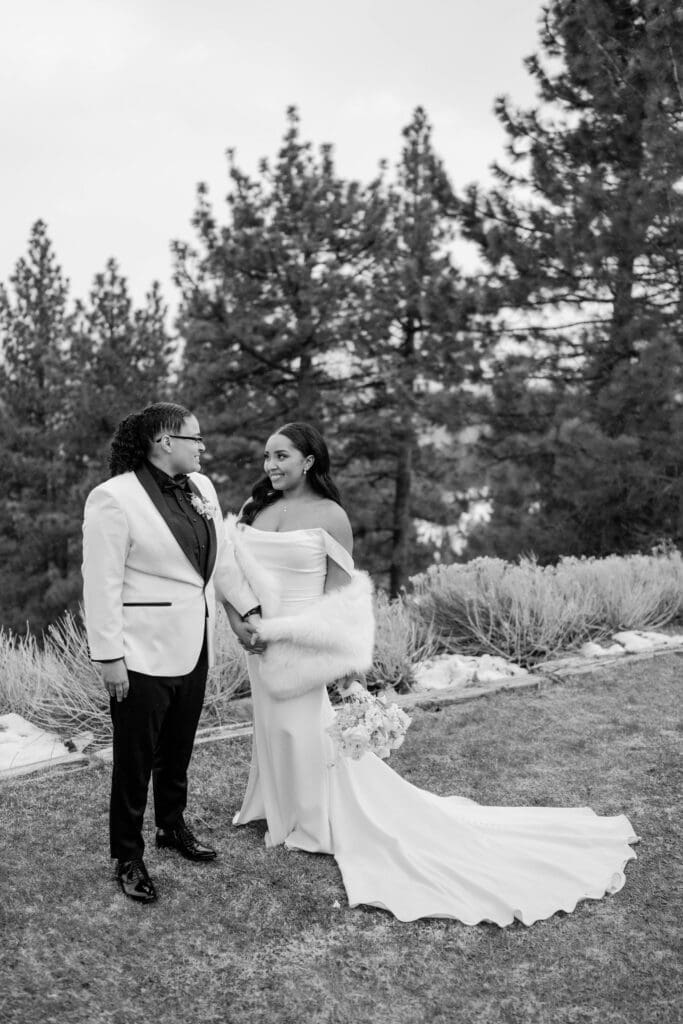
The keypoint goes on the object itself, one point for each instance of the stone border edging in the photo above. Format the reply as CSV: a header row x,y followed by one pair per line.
x,y
546,673
69,762
437,698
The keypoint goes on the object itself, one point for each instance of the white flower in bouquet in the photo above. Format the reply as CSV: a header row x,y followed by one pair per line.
x,y
356,741
366,724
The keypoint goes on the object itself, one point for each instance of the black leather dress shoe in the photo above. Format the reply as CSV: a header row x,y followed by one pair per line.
x,y
182,839
134,881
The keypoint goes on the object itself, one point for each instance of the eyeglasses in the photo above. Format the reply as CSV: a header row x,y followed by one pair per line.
x,y
182,437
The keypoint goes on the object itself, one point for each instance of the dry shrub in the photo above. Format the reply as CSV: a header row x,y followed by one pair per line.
x,y
401,640
21,673
73,698
531,613
636,592
229,677
58,688
54,686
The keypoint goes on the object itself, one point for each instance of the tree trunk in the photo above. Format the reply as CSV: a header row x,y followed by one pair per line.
x,y
404,464
401,516
308,393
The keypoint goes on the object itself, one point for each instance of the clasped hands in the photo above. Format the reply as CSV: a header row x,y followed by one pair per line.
x,y
248,635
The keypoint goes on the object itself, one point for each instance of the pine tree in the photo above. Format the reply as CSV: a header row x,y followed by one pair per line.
x,y
67,377
425,355
339,304
274,302
583,240
35,327
121,360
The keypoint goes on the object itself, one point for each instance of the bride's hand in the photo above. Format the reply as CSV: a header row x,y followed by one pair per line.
x,y
354,682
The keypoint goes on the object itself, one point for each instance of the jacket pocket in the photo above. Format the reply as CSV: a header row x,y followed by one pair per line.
x,y
147,604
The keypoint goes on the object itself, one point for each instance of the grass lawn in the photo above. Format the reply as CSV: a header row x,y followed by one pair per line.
x,y
266,936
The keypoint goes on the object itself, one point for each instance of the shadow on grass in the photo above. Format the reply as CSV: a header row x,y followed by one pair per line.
x,y
266,935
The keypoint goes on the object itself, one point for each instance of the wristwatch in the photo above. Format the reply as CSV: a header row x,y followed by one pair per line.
x,y
252,611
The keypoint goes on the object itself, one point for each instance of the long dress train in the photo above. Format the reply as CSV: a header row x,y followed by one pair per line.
x,y
399,847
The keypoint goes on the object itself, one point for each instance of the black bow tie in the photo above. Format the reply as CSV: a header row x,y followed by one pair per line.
x,y
176,483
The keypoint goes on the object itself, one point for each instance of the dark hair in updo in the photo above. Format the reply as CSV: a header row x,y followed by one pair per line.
x,y
309,441
135,435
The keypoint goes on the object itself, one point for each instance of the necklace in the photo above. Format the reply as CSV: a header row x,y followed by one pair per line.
x,y
295,502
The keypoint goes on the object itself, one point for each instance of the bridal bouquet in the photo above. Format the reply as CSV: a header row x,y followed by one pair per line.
x,y
368,724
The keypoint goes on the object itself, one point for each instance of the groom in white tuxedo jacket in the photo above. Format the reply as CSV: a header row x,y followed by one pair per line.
x,y
154,555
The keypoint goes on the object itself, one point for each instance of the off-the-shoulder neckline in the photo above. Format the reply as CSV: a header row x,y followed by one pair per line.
x,y
305,529
282,533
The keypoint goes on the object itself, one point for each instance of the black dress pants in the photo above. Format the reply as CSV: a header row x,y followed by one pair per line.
x,y
154,730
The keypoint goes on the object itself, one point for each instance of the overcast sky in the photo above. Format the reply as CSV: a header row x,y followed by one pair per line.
x,y
113,110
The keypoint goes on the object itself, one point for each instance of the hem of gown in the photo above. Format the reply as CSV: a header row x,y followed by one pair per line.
x,y
237,821
617,880
325,852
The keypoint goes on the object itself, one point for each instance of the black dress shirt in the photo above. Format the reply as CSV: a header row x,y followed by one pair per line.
x,y
192,526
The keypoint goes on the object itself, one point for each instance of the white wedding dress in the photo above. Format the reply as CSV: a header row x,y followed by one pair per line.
x,y
399,847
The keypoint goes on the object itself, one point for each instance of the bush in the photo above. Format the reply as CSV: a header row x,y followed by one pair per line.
x,y
58,688
401,640
228,678
530,613
636,592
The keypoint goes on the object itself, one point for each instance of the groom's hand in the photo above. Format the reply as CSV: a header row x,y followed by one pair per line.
x,y
115,679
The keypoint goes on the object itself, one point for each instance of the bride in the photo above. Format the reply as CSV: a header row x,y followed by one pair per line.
x,y
398,847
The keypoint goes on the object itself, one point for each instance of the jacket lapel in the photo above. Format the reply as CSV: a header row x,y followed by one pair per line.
x,y
150,485
213,540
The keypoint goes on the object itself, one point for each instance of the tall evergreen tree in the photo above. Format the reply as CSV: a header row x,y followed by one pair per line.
x,y
35,327
326,301
424,356
273,304
583,241
67,376
121,360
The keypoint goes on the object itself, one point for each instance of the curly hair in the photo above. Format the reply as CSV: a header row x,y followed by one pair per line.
x,y
308,441
135,435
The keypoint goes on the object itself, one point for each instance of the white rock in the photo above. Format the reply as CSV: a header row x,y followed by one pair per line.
x,y
594,650
633,642
488,676
456,670
663,639
494,663
444,671
23,744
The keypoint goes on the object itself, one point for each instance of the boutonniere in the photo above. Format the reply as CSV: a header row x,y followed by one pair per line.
x,y
203,506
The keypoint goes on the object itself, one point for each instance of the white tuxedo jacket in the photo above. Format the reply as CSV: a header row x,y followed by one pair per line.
x,y
144,600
